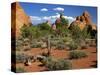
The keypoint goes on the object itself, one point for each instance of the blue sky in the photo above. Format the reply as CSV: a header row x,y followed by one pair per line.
x,y
42,12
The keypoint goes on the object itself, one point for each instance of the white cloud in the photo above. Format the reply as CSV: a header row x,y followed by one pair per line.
x,y
58,9
44,9
35,18
71,19
52,19
46,18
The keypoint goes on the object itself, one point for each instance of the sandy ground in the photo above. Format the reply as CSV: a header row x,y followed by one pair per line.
x,y
88,62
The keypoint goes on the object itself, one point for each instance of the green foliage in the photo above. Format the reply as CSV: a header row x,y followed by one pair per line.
x,y
85,33
20,70
61,46
76,54
89,28
73,45
60,64
44,26
35,44
57,64
30,32
19,44
45,54
20,58
62,26
64,21
25,31
22,44
75,31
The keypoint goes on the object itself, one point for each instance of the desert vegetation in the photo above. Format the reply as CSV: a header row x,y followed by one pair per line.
x,y
68,46
73,40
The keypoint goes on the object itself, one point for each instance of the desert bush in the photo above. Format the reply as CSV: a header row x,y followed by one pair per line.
x,y
36,45
45,61
20,58
20,70
83,44
61,46
57,64
22,44
45,54
67,39
54,43
73,45
19,45
76,54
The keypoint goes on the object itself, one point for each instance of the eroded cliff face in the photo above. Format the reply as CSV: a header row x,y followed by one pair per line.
x,y
84,20
18,19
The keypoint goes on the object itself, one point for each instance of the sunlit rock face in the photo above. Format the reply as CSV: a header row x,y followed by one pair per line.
x,y
83,20
18,18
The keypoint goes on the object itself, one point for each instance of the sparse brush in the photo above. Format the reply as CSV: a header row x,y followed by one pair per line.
x,y
20,58
76,54
73,46
20,70
57,64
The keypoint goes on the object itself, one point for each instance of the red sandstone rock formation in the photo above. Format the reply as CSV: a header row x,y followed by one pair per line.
x,y
83,20
18,18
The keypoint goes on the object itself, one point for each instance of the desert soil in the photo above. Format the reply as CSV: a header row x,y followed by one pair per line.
x,y
87,62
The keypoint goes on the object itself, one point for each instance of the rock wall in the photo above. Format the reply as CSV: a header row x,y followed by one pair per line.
x,y
18,18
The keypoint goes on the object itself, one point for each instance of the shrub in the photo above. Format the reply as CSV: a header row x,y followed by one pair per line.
x,y
20,70
61,46
76,54
20,58
57,64
19,45
83,46
36,45
45,61
45,54
53,43
22,44
73,46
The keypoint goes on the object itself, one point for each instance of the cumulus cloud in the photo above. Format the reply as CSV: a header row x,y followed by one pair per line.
x,y
52,19
46,18
58,9
44,9
71,19
35,20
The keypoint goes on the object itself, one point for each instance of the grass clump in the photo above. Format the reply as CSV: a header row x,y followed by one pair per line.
x,y
76,54
73,46
20,58
20,70
57,64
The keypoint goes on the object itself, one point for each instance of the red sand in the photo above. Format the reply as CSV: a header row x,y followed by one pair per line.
x,y
88,62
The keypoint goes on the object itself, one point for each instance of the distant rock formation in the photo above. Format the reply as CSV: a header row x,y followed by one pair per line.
x,y
83,20
18,19
58,20
53,26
